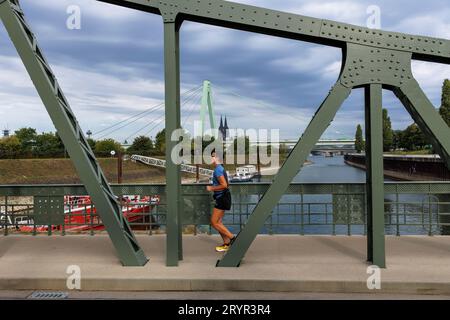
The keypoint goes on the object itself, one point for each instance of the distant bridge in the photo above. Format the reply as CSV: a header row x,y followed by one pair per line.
x,y
323,146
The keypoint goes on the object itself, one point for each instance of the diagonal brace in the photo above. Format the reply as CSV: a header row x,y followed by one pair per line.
x,y
288,171
427,118
71,134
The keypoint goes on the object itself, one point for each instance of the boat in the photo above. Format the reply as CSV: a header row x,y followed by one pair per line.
x,y
245,174
78,217
241,177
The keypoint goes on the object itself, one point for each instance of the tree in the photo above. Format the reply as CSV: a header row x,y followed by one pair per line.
x,y
92,143
27,138
48,145
10,147
388,134
413,139
397,139
160,142
104,147
141,145
445,107
359,142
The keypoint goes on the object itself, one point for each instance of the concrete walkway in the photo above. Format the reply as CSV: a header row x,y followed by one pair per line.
x,y
318,264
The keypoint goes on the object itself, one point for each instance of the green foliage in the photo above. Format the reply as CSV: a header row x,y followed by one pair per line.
x,y
397,139
388,134
413,139
359,143
142,146
92,143
445,106
10,147
48,145
160,142
27,138
103,148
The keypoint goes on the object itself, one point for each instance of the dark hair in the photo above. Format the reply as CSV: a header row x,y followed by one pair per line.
x,y
218,154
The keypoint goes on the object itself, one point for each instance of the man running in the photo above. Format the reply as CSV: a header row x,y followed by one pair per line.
x,y
222,196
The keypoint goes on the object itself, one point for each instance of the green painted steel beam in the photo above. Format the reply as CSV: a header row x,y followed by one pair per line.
x,y
427,117
375,175
288,171
292,26
71,134
174,251
372,59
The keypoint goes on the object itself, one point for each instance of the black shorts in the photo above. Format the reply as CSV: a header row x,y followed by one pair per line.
x,y
223,202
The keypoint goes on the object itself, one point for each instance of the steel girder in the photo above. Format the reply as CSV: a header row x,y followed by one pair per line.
x,y
375,175
174,251
293,26
373,59
71,134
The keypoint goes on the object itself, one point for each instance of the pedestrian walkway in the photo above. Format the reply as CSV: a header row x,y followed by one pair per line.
x,y
416,265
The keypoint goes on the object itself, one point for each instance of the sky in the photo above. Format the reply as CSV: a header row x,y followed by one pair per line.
x,y
112,68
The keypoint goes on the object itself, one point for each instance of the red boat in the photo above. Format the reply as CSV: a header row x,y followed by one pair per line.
x,y
78,215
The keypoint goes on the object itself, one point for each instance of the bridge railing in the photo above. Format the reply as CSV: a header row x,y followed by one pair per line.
x,y
329,209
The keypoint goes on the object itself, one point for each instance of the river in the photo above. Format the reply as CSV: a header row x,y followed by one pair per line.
x,y
404,217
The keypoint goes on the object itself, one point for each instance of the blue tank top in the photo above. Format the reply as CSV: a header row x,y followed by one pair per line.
x,y
219,171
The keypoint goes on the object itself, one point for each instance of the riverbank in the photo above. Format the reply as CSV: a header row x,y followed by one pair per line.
x,y
406,167
62,171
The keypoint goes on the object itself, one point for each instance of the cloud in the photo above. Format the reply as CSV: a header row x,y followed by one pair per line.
x,y
90,8
200,38
343,11
431,77
317,60
97,98
433,24
113,66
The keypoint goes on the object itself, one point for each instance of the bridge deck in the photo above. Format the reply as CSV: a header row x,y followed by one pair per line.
x,y
416,265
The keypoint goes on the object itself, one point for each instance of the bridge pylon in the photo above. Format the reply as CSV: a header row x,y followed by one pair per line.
x,y
207,107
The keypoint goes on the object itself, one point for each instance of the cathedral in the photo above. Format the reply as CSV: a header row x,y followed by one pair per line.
x,y
223,129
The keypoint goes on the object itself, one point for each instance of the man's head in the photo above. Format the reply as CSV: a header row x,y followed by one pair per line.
x,y
216,157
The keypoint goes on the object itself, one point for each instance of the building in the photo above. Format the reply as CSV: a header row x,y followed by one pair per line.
x,y
224,129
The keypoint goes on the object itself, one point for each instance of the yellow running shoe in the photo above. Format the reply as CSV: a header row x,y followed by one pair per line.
x,y
223,248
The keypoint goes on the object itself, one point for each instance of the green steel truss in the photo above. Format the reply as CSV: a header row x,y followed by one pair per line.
x,y
71,134
372,59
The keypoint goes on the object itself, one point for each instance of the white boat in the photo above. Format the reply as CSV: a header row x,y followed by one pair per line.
x,y
246,170
241,177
